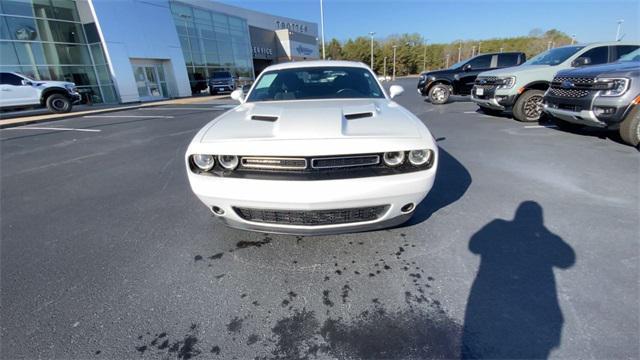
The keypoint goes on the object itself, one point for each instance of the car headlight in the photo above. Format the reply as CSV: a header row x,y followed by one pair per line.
x,y
612,86
228,162
204,162
507,82
420,157
70,88
393,158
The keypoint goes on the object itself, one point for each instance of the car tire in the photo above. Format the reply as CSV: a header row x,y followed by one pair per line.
x,y
212,92
58,103
439,94
528,107
565,125
490,111
630,128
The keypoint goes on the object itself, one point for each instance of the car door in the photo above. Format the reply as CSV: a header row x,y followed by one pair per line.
x,y
470,71
13,93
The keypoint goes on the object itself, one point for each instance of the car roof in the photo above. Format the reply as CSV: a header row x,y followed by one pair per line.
x,y
316,63
604,43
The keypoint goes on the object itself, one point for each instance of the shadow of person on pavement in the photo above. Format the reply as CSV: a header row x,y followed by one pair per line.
x,y
513,311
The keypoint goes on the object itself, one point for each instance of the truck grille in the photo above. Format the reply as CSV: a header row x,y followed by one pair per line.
x,y
569,93
302,164
487,83
312,217
575,80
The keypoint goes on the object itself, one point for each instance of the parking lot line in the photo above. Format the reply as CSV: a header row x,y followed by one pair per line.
x,y
51,128
470,112
180,108
128,116
540,126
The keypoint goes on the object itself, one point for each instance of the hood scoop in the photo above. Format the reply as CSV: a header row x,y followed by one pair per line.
x,y
264,118
361,115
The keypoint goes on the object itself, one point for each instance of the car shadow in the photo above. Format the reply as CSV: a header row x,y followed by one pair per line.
x,y
452,181
604,134
513,310
453,99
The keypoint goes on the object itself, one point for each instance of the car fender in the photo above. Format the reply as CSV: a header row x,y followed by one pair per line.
x,y
52,90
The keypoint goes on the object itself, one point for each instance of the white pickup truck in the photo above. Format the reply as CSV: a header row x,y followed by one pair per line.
x,y
17,90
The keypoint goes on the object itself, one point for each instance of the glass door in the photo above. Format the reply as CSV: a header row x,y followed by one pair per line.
x,y
149,82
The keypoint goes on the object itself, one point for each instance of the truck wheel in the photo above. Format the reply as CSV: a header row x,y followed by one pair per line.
x,y
565,125
630,128
528,107
439,94
58,103
212,92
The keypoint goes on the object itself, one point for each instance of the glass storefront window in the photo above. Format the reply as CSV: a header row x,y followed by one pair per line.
x,y
60,31
98,54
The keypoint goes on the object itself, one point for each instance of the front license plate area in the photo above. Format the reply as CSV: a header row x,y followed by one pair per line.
x,y
479,91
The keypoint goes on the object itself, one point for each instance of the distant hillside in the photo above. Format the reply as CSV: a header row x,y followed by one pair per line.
x,y
410,50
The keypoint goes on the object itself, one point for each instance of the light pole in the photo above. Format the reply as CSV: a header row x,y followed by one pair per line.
x,y
394,62
549,45
573,39
424,57
322,27
501,49
473,51
619,28
479,45
446,66
460,51
384,69
371,33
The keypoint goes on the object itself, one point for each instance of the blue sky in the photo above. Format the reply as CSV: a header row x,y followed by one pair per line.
x,y
445,21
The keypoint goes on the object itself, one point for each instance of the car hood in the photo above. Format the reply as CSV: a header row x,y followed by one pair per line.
x,y
597,70
313,119
515,70
441,72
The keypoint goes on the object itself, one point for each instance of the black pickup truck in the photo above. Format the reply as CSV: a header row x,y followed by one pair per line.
x,y
459,78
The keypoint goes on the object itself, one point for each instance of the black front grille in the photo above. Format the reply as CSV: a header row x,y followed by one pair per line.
x,y
574,80
312,217
486,80
344,161
569,93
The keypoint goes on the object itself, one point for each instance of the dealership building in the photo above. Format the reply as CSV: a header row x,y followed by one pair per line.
x,y
142,50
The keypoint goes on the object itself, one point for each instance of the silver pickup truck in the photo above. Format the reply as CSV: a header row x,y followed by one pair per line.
x,y
605,96
521,88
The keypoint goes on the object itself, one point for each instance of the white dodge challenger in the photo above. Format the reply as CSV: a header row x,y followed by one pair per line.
x,y
315,147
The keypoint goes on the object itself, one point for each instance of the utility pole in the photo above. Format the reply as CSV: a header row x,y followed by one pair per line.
x,y
394,63
371,33
573,39
322,28
473,51
549,45
460,51
619,28
479,45
446,65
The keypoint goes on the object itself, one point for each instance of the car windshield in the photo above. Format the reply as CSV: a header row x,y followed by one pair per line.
x,y
458,64
632,56
554,56
221,75
315,83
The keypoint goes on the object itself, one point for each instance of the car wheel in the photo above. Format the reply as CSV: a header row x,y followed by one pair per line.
x,y
565,125
490,111
528,107
630,128
212,92
58,103
439,94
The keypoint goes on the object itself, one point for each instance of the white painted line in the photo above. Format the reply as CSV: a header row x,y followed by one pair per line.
x,y
51,128
127,116
541,126
230,106
470,112
167,109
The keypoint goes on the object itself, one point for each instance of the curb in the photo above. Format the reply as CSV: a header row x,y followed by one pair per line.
x,y
54,117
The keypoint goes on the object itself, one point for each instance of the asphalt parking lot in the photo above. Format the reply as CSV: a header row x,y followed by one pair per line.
x,y
528,245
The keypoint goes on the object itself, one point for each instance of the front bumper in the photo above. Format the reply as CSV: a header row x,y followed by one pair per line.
x,y
581,110
222,87
393,190
493,99
75,97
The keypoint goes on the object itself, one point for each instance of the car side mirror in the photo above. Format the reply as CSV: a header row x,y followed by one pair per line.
x,y
581,61
25,82
395,91
466,67
238,95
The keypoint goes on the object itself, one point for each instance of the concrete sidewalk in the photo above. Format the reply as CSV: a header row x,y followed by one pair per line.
x,y
24,120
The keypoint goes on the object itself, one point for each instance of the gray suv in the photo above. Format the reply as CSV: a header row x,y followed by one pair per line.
x,y
521,88
605,96
221,81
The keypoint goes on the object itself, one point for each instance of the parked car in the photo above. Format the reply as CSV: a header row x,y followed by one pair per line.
x,y
520,89
17,90
221,81
316,147
604,96
439,85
